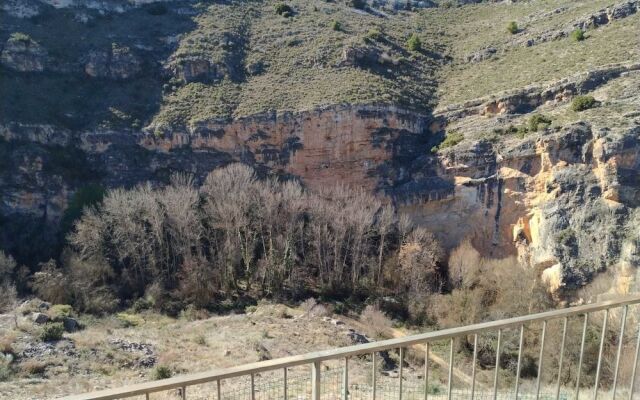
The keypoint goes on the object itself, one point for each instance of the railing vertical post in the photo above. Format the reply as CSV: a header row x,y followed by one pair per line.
x,y
564,339
599,366
345,379
146,396
473,369
218,390
400,372
520,345
183,393
541,358
253,387
450,378
286,385
623,323
635,366
426,371
315,380
584,336
373,376
495,377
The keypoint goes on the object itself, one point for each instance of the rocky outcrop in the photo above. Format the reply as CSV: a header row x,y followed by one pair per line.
x,y
565,202
591,21
195,70
118,63
21,53
527,99
481,55
599,18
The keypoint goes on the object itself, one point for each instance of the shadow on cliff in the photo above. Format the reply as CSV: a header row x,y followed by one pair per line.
x,y
84,85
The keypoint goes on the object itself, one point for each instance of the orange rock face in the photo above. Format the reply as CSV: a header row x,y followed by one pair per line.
x,y
344,144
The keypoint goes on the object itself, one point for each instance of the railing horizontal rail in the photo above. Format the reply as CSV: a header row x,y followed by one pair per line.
x,y
348,351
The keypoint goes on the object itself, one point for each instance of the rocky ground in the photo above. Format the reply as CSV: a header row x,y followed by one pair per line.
x,y
130,348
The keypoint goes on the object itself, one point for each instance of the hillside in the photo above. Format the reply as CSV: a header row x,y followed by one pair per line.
x,y
164,164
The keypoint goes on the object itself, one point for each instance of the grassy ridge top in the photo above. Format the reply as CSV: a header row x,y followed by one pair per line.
x,y
476,27
323,53
319,53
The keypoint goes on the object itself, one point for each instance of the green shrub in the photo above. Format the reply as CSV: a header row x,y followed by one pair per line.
x,y
414,43
374,35
20,37
578,35
566,237
129,320
450,140
141,304
336,25
581,103
522,131
538,120
284,9
161,372
512,27
60,311
339,308
51,332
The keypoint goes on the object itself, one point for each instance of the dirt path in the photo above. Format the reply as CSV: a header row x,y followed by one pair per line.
x,y
457,373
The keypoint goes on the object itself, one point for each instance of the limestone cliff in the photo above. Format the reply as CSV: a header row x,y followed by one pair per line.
x,y
331,94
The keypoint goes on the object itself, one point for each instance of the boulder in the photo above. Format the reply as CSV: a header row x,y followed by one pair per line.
x,y
70,324
194,70
481,55
623,10
40,318
361,56
21,53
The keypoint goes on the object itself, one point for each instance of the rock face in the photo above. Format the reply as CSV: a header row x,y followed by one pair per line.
x,y
562,200
529,98
119,63
22,53
43,167
195,70
565,201
351,144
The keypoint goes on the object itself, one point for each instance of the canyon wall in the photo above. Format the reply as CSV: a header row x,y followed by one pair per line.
x,y
564,202
43,168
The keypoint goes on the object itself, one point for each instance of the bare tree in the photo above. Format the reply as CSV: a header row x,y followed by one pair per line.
x,y
239,233
464,264
385,221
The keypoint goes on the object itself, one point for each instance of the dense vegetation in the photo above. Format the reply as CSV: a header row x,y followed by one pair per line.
x,y
237,235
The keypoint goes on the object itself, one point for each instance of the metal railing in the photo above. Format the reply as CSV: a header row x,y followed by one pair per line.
x,y
315,360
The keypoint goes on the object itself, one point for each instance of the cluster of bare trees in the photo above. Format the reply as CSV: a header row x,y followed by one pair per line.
x,y
237,233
